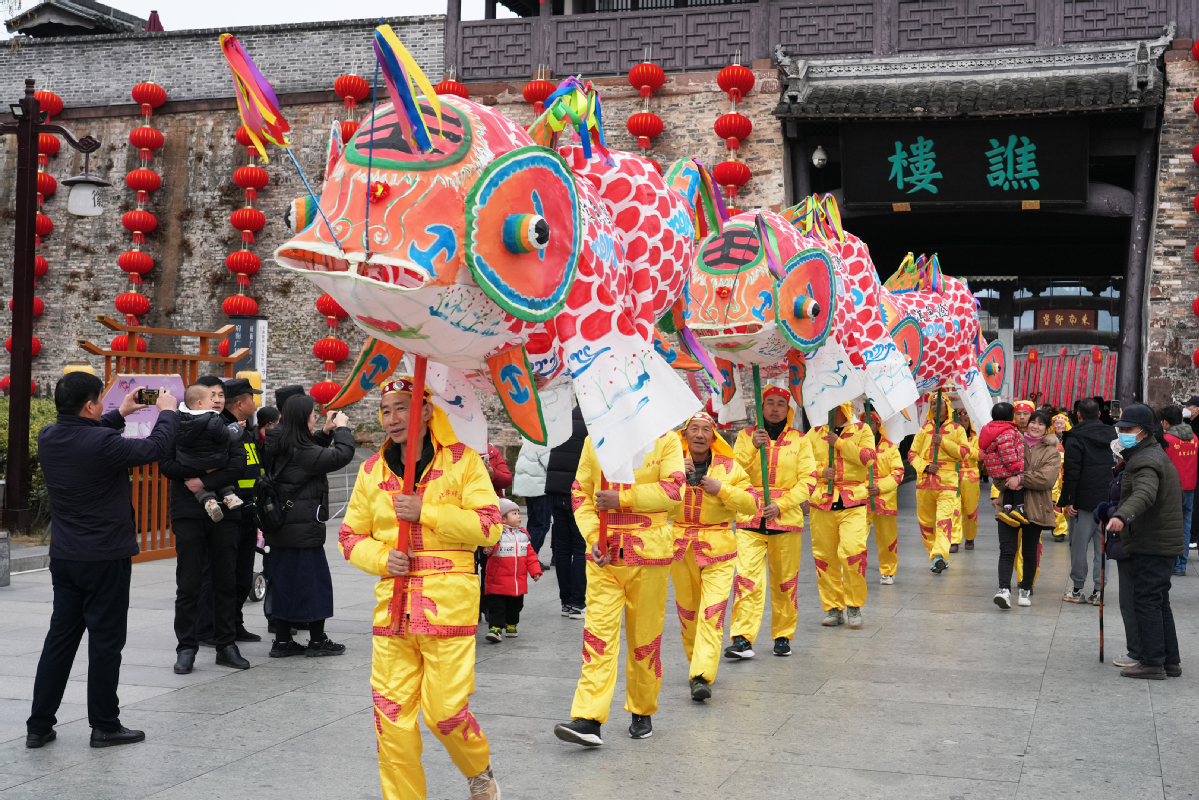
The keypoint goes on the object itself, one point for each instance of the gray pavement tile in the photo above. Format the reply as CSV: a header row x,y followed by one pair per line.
x,y
935,684
758,780
1057,783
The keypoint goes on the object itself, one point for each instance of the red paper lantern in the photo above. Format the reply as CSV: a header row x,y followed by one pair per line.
x,y
1195,105
239,304
243,262
1033,355
645,125
1096,355
40,266
657,166
48,144
324,391
39,306
731,175
330,307
647,78
1195,306
452,87
121,344
149,94
1195,358
146,138
348,129
46,184
143,180
736,81
139,221
132,304
1063,352
243,137
1195,203
1195,153
37,344
5,383
45,225
51,103
248,220
536,91
352,89
135,262
733,128
330,349
223,348
251,177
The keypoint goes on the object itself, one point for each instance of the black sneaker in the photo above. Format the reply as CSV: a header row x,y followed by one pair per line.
x,y
40,739
1061,537
969,544
939,565
244,635
953,548
326,648
641,727
285,649
566,609
700,690
580,731
740,648
782,646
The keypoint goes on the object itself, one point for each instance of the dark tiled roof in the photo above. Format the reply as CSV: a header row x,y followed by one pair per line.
x,y
1100,90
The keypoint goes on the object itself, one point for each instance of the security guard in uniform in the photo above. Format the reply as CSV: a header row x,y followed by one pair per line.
x,y
241,407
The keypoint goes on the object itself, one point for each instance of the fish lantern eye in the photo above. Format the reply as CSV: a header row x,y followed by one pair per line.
x,y
526,233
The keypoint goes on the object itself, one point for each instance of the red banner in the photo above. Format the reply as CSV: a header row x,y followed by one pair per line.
x,y
1060,381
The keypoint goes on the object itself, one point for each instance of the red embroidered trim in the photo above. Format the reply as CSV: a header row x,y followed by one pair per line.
x,y
791,588
595,643
385,706
463,717
867,456
892,547
673,485
392,484
742,582
457,451
437,563
693,501
860,561
576,496
703,561
652,655
685,614
627,520
946,525
370,463
722,461
347,540
488,516
712,611
820,565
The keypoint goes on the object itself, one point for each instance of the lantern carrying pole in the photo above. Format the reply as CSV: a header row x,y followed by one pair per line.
x,y
412,449
761,424
315,200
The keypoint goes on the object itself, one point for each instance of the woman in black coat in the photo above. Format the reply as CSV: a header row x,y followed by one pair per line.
x,y
300,584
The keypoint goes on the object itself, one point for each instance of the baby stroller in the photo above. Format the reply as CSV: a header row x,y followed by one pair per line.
x,y
258,585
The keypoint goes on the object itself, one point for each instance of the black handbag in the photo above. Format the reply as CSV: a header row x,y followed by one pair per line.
x,y
270,507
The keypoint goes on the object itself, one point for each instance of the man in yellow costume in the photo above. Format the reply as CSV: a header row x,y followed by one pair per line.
x,y
969,478
938,507
769,546
427,609
883,505
629,573
705,545
844,453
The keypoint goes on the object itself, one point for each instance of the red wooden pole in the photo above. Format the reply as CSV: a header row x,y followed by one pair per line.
x,y
603,521
412,449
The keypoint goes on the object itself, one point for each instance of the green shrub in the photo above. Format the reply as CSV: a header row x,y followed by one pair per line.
x,y
41,414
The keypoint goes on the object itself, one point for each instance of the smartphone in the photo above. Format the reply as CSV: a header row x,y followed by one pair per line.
x,y
1115,409
147,397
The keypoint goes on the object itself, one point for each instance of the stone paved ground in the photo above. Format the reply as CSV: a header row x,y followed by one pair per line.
x,y
940,696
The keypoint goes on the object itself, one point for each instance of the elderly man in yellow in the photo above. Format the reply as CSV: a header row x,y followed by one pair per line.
x,y
938,507
705,545
969,478
769,546
883,505
844,453
427,612
628,572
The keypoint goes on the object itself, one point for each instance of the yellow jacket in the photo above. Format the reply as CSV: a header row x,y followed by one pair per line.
x,y
955,447
853,454
888,474
704,521
969,469
637,533
790,464
459,512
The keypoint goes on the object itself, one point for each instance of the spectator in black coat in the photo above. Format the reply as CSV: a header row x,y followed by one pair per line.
x,y
567,545
301,587
1087,470
86,462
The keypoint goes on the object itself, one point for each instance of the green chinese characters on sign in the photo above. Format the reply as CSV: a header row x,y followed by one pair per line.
x,y
915,168
1012,165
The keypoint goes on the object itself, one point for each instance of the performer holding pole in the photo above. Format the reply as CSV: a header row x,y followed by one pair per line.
x,y
768,546
839,515
935,451
627,574
884,499
428,601
705,546
969,479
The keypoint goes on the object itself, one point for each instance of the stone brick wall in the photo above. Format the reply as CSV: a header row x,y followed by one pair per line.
x,y
304,57
1174,280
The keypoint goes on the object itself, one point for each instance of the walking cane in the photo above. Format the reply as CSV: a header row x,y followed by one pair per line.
x,y
1102,586
411,454
762,425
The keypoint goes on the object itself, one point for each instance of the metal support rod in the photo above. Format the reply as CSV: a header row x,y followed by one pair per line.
x,y
762,425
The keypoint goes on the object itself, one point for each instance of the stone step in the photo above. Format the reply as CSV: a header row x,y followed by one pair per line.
x,y
29,558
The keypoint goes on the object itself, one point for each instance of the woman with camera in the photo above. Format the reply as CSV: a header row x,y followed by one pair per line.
x,y
300,584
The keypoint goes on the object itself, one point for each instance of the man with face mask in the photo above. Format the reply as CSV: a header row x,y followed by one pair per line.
x,y
1149,521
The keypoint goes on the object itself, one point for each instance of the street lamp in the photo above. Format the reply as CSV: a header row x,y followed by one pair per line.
x,y
29,122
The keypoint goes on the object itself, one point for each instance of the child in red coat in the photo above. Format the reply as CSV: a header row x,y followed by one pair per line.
x,y
509,563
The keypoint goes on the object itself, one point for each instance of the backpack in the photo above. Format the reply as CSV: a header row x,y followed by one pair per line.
x,y
270,506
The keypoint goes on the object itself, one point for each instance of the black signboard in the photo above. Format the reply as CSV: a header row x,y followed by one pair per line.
x,y
1010,162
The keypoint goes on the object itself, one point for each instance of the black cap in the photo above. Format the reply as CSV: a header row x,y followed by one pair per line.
x,y
1137,415
1194,401
285,393
236,387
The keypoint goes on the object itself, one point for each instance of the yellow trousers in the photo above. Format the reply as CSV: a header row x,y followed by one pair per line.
x,y
701,595
969,513
886,538
1063,526
1020,559
939,514
436,675
839,549
767,560
640,594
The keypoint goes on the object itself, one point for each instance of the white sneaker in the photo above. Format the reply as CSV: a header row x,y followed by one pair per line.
x,y
577,613
853,618
1003,599
214,510
833,618
886,580
233,501
483,786
1194,545
1025,598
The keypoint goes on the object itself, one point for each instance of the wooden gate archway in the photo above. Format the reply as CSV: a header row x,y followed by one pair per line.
x,y
150,489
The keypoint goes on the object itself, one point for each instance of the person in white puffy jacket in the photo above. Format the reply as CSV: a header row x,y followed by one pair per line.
x,y
529,482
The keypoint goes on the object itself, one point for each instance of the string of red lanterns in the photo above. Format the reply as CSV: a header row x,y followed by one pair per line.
x,y
1195,156
138,221
538,89
330,349
251,179
646,78
736,81
451,86
352,89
